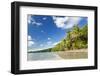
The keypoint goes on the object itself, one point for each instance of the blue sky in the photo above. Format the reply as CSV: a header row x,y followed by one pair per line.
x,y
47,31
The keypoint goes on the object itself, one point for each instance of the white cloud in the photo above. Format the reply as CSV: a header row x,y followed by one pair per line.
x,y
60,21
44,18
30,41
29,37
49,38
32,21
66,22
73,21
36,23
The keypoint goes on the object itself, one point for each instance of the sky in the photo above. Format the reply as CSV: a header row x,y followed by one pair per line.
x,y
47,31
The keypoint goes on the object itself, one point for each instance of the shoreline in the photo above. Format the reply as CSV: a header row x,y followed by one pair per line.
x,y
71,54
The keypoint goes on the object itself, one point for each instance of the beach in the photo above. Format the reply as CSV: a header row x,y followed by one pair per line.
x,y
69,54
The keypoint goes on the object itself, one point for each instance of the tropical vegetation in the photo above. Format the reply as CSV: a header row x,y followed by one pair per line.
x,y
76,38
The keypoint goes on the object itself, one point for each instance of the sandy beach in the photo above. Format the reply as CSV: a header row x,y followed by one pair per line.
x,y
69,54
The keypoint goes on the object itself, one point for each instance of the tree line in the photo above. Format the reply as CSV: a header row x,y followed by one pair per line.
x,y
76,38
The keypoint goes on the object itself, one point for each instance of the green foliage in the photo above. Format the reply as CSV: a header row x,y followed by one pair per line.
x,y
77,38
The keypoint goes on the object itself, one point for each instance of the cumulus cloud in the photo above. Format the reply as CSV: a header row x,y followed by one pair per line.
x,y
73,21
66,22
60,21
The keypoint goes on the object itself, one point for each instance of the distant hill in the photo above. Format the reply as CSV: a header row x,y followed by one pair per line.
x,y
44,50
